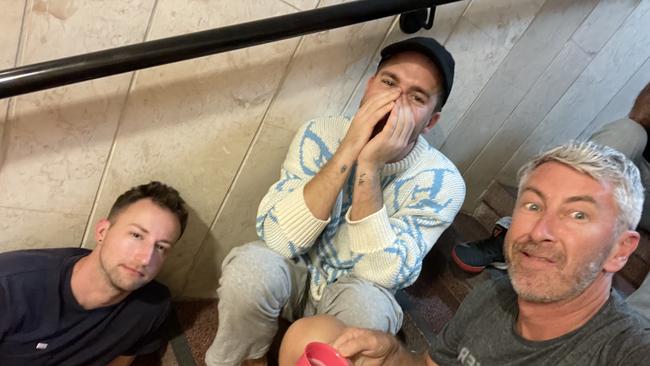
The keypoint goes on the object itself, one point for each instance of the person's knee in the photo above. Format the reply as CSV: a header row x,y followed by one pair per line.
x,y
254,278
362,304
320,328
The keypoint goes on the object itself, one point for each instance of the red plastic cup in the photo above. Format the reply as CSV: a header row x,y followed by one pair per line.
x,y
321,354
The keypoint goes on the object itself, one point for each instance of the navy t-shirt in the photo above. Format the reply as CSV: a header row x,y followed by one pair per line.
x,y
41,323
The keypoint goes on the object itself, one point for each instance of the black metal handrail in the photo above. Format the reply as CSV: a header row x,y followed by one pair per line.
x,y
69,70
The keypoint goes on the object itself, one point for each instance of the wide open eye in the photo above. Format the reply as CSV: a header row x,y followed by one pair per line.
x,y
579,215
532,206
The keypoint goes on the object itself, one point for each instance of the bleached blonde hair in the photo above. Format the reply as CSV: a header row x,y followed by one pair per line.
x,y
603,164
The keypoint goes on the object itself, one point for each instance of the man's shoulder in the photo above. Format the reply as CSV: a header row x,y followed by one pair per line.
x,y
428,167
628,320
31,260
435,158
622,333
318,137
326,126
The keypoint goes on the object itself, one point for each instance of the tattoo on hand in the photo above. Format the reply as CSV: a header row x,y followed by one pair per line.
x,y
343,168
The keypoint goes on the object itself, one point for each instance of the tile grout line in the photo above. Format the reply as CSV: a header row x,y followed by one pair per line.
x,y
4,138
120,120
240,168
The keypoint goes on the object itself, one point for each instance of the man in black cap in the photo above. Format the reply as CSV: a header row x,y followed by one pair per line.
x,y
359,204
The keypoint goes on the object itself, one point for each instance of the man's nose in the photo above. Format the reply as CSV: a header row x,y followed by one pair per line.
x,y
543,229
145,253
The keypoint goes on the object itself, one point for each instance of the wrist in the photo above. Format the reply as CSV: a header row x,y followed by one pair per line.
x,y
351,146
370,165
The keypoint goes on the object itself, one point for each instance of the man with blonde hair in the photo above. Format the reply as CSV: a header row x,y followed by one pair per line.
x,y
572,229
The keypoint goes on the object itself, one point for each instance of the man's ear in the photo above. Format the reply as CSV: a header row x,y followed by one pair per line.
x,y
101,228
623,248
432,122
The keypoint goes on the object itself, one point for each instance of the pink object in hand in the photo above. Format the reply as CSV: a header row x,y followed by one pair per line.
x,y
321,354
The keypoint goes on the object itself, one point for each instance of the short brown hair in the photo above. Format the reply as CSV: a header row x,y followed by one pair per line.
x,y
161,194
641,109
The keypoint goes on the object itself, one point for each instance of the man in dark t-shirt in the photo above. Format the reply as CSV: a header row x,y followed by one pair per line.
x,y
572,229
73,306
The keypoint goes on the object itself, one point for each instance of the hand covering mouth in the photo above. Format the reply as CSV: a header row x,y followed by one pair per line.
x,y
380,125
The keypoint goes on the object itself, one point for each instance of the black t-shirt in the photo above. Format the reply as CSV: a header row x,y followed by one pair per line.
x,y
41,323
482,333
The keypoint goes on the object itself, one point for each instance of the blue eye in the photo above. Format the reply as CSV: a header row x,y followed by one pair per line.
x,y
579,215
530,206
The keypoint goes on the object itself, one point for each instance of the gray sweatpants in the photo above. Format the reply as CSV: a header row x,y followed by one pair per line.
x,y
258,285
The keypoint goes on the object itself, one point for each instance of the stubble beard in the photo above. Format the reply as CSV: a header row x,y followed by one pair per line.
x,y
550,286
115,279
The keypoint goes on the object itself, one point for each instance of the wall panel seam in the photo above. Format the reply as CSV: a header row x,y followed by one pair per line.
x,y
4,138
238,173
362,79
89,225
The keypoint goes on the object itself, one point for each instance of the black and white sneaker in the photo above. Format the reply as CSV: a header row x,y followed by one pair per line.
x,y
474,256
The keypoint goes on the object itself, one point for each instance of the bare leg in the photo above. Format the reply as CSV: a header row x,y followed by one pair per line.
x,y
320,328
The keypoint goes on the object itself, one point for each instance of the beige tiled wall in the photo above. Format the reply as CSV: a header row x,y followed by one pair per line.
x,y
314,86
11,19
57,141
190,123
217,127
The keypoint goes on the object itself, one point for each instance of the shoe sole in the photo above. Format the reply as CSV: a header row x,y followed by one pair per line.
x,y
464,266
475,269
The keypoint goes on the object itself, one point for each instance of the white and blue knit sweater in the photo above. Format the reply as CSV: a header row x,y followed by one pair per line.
x,y
422,194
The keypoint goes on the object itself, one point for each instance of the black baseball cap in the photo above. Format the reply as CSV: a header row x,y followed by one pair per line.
x,y
433,50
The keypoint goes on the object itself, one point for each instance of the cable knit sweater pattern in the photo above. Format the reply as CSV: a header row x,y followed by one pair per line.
x,y
422,194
